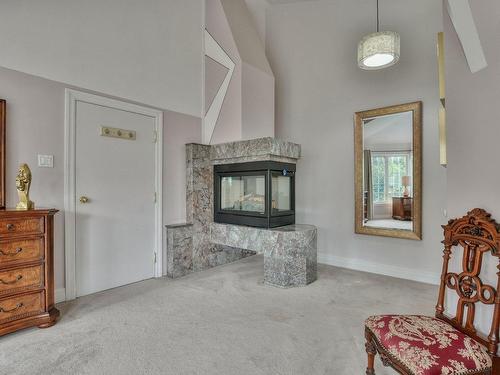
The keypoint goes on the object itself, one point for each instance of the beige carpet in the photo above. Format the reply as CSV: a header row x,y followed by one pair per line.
x,y
221,321
390,224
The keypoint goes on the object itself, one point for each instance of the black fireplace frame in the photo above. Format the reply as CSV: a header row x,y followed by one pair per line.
x,y
270,218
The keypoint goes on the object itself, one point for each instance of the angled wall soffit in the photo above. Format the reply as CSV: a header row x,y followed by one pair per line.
x,y
461,17
245,35
214,51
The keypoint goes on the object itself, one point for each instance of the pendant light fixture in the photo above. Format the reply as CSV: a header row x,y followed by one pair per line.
x,y
378,50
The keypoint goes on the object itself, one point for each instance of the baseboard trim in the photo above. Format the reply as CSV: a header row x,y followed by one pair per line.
x,y
379,268
60,295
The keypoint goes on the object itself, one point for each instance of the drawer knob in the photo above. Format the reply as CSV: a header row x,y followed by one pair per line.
x,y
18,250
18,306
10,226
19,277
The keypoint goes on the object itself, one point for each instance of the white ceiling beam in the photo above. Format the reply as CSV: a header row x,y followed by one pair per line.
x,y
461,17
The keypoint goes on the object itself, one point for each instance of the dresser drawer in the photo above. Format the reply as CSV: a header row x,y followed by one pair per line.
x,y
17,280
21,250
21,306
25,225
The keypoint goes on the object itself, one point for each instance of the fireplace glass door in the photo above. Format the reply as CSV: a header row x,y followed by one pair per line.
x,y
281,193
243,193
258,194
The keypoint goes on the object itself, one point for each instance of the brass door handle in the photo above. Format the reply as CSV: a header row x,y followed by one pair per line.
x,y
84,199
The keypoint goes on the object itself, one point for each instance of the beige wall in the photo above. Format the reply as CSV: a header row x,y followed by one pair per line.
x,y
472,126
312,49
148,51
35,125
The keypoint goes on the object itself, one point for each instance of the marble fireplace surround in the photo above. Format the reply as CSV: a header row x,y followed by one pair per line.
x,y
199,244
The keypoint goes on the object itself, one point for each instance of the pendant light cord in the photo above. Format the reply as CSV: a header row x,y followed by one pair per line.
x,y
377,19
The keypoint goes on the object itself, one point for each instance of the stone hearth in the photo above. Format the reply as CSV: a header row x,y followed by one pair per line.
x,y
290,257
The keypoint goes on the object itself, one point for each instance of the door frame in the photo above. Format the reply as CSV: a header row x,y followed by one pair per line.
x,y
71,99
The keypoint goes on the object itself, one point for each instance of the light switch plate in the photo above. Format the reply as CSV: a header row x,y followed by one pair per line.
x,y
46,161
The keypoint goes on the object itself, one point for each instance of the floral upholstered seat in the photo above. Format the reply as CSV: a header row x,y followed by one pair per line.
x,y
427,346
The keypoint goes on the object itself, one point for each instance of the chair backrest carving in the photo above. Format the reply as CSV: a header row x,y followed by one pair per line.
x,y
479,235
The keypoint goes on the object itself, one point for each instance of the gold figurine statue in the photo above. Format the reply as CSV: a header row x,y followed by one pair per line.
x,y
23,182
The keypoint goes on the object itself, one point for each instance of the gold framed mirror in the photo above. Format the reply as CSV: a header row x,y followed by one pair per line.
x,y
388,171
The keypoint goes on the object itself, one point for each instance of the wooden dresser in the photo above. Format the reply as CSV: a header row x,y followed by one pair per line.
x,y
26,269
402,208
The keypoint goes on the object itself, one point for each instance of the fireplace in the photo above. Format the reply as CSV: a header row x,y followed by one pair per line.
x,y
257,194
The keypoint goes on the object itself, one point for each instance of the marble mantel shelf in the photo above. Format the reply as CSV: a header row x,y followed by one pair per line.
x,y
261,149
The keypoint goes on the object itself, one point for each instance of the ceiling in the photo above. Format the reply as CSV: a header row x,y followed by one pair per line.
x,y
389,130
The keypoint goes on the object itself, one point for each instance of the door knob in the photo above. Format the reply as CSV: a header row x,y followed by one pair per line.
x,y
84,199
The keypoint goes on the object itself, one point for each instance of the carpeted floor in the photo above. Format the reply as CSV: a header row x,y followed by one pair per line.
x,y
390,224
224,321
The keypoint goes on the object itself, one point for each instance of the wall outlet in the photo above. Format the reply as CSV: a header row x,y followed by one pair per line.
x,y
46,161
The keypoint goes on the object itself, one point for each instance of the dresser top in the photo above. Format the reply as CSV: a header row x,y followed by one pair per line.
x,y
37,211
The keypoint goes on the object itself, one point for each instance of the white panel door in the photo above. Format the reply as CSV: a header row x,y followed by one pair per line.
x,y
115,228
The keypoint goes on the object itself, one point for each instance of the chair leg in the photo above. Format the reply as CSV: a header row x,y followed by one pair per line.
x,y
371,351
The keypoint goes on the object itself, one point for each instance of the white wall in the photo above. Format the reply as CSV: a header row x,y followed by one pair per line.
x,y
312,48
248,108
258,9
245,34
257,78
473,131
148,51
257,107
228,127
178,130
35,125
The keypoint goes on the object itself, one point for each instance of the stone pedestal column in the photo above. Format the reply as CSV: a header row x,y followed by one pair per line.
x,y
293,260
199,201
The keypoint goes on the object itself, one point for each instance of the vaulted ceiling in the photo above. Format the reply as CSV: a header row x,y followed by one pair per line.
x,y
463,21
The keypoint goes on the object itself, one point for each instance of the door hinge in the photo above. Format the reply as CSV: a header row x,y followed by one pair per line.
x,y
154,258
155,136
154,197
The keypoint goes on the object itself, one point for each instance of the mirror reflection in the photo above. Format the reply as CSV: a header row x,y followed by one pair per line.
x,y
388,171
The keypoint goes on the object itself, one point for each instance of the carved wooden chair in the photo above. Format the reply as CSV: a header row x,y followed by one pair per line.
x,y
441,345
